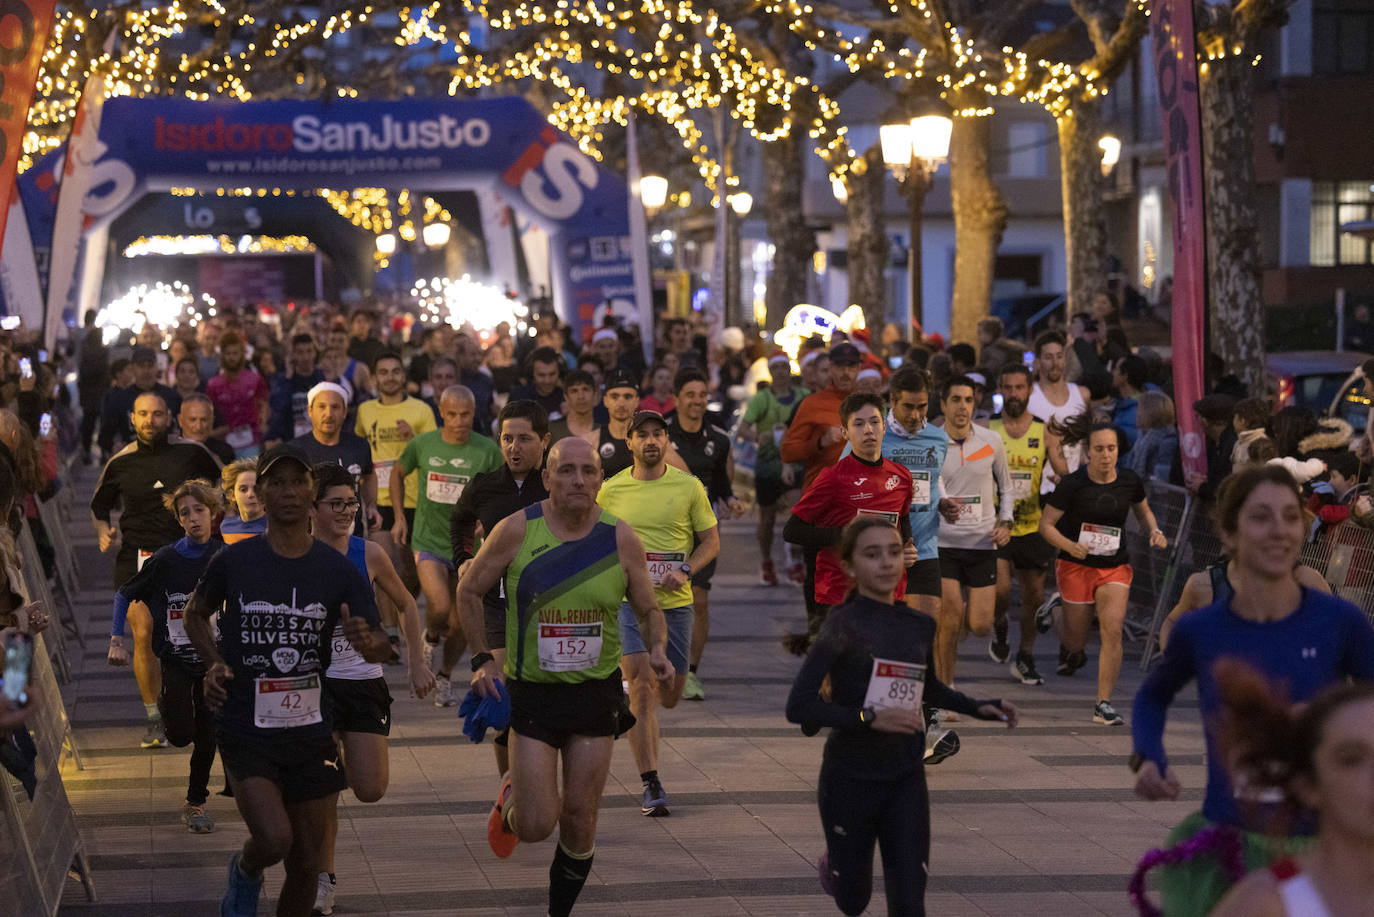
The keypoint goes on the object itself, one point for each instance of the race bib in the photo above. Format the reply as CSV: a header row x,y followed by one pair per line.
x,y
890,518
970,511
240,437
143,557
302,426
920,489
342,652
1021,484
569,647
445,488
383,470
662,563
1102,540
176,627
895,684
779,431
284,703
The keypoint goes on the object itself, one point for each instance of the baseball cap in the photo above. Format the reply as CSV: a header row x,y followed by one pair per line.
x,y
1215,408
280,453
619,378
644,417
143,355
845,354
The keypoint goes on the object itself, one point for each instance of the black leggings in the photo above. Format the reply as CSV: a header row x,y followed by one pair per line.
x,y
895,814
188,721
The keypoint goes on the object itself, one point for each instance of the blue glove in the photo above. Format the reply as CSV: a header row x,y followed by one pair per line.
x,y
479,714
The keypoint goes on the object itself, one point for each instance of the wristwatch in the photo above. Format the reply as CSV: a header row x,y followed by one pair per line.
x,y
866,715
686,569
480,659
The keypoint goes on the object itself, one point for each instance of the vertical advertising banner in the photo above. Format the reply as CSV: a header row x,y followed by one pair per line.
x,y
1175,50
24,27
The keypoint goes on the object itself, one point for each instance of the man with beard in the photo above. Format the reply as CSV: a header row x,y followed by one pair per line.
x,y
328,441
670,512
1024,440
118,403
137,478
240,399
1056,398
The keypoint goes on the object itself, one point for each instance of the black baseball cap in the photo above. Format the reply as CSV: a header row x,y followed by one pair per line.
x,y
845,354
619,378
283,452
643,417
143,355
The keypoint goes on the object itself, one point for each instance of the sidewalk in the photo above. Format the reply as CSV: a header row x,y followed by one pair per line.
x,y
1037,822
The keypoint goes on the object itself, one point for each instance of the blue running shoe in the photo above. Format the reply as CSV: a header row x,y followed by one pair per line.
x,y
241,898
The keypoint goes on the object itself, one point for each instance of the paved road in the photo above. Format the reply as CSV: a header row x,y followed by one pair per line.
x,y
1037,822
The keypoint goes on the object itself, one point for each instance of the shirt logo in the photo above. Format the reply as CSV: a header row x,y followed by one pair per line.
x,y
355,469
334,762
285,658
858,482
861,496
1033,442
607,450
1309,652
710,448
892,483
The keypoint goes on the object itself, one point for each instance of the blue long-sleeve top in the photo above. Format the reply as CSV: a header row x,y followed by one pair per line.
x,y
854,634
1324,641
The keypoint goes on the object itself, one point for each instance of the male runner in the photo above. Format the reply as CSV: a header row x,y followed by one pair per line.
x,y
566,566
449,458
328,441
670,512
860,483
240,398
278,598
196,419
1024,440
977,482
523,430
289,416
765,423
1056,398
579,393
706,450
621,398
136,478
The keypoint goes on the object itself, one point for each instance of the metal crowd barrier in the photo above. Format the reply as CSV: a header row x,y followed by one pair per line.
x,y
36,581
66,577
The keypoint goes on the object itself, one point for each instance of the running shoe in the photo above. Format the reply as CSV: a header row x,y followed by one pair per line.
x,y
155,737
431,652
655,802
241,897
999,650
1024,671
796,574
501,839
941,743
1106,714
195,819
692,690
324,896
823,869
767,574
1044,615
443,695
1069,663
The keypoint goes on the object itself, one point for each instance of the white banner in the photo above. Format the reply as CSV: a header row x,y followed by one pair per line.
x,y
19,270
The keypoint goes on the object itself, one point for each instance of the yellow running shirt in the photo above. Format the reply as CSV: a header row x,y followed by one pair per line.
x,y
1026,462
377,424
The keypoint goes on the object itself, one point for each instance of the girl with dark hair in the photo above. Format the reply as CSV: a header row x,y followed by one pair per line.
x,y
1287,632
872,787
1085,519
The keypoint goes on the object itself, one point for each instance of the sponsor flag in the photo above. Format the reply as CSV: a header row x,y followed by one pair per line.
x,y
19,271
24,27
1175,49
639,245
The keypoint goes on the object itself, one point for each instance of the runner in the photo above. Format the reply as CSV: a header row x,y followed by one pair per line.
x,y
1027,553
571,565
278,598
329,441
136,479
348,374
450,456
243,516
976,478
196,420
765,423
354,688
1055,398
167,578
621,398
1084,519
290,416
670,512
1214,584
861,483
493,495
1295,636
240,398
579,393
877,658
706,450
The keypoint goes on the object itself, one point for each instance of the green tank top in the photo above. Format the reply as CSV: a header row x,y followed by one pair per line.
x,y
563,604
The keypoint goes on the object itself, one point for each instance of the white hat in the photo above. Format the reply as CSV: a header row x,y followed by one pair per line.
x,y
732,338
326,387
868,372
978,378
604,334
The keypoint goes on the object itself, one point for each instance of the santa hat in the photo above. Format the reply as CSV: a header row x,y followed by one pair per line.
x,y
861,338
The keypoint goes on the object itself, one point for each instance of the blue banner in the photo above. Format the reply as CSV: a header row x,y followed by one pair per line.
x,y
38,190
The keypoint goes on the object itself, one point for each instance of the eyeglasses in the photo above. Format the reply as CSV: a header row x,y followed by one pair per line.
x,y
340,506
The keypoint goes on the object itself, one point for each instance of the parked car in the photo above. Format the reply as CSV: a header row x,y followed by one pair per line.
x,y
1327,381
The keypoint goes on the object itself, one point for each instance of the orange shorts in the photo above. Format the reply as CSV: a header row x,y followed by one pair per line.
x,y
1079,583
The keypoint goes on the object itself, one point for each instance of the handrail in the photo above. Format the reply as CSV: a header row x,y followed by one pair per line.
x,y
1046,310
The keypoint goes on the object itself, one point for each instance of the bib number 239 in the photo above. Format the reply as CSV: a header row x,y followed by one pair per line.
x,y
1103,540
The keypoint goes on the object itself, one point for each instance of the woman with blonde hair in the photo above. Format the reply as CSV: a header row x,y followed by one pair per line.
x,y
244,516
1155,449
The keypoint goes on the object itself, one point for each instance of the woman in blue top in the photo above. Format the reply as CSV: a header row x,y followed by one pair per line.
x,y
1290,634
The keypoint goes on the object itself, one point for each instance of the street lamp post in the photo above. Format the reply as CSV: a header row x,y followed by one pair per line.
x,y
913,150
739,203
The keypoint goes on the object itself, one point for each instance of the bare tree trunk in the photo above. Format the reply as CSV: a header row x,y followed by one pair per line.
x,y
793,241
1237,311
1085,230
980,217
868,247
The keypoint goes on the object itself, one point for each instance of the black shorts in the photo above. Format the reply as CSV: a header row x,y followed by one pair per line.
x,y
303,769
923,577
701,579
554,713
359,705
494,623
388,514
768,490
1028,552
973,567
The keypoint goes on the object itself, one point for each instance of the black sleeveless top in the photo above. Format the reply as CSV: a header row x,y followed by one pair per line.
x,y
615,453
